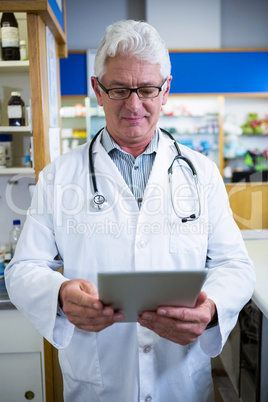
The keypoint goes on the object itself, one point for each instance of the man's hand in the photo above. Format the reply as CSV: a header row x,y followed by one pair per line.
x,y
80,302
180,324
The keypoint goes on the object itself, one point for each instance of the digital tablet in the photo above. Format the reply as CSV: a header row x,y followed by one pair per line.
x,y
134,292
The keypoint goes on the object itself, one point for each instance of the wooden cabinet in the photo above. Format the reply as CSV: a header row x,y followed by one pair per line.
x,y
21,359
25,371
249,205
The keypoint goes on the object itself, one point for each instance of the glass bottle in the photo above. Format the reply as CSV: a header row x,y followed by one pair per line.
x,y
23,50
10,37
14,236
16,110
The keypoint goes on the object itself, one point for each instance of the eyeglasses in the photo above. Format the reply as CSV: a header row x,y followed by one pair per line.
x,y
146,92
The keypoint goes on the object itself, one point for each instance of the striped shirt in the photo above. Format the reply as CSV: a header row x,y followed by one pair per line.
x,y
135,172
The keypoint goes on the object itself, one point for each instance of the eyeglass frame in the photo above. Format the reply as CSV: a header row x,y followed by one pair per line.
x,y
132,90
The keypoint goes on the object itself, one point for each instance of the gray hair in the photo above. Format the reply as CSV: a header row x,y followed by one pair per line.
x,y
135,38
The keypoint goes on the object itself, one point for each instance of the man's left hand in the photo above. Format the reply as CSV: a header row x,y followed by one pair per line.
x,y
181,325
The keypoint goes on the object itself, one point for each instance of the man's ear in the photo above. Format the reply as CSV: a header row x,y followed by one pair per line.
x,y
166,91
97,90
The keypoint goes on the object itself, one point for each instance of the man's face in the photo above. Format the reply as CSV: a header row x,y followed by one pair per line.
x,y
133,120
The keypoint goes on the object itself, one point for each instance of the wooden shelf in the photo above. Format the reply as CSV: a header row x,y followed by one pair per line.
x,y
192,134
188,116
16,170
14,66
15,129
259,135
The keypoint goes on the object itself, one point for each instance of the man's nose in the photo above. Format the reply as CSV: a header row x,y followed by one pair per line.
x,y
133,103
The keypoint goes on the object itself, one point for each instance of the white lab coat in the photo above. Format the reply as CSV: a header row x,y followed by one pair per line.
x,y
126,362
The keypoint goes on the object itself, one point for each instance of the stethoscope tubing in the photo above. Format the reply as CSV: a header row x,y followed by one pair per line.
x,y
99,202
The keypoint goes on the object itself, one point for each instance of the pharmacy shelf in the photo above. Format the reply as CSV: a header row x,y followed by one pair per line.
x,y
14,65
189,134
15,129
17,171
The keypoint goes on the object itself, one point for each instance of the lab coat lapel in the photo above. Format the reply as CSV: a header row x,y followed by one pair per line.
x,y
103,164
164,157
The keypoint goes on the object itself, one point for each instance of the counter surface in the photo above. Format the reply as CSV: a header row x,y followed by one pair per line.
x,y
258,252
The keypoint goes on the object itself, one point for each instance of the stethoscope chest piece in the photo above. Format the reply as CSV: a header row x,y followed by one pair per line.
x,y
98,203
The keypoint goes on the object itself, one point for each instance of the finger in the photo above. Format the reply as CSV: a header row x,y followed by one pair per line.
x,y
201,299
75,312
98,323
81,293
183,313
87,294
168,328
181,332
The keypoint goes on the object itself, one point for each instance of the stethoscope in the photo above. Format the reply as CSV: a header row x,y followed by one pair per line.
x,y
99,203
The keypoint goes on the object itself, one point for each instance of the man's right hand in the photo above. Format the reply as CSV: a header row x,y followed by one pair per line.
x,y
79,300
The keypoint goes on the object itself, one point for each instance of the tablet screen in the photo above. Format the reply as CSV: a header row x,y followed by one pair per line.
x,y
135,292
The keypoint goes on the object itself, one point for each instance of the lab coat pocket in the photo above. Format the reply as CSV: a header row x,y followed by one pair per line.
x,y
80,360
188,238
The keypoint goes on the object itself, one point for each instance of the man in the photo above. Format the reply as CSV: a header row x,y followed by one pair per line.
x,y
165,356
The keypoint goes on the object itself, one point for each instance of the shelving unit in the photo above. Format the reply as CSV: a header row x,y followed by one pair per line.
x,y
196,121
237,145
188,129
32,78
81,118
15,75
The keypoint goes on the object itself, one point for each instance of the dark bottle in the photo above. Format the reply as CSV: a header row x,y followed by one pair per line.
x,y
10,37
16,110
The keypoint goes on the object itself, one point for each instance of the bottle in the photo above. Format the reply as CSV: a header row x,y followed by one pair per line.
x,y
10,37
6,142
7,255
2,263
14,236
23,50
28,161
16,110
2,157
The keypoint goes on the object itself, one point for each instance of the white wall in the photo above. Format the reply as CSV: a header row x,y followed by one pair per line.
x,y
182,23
88,19
244,23
186,24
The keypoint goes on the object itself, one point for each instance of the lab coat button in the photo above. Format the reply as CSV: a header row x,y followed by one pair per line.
x,y
141,244
148,398
147,349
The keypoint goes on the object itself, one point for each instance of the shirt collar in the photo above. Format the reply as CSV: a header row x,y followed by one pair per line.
x,y
109,144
